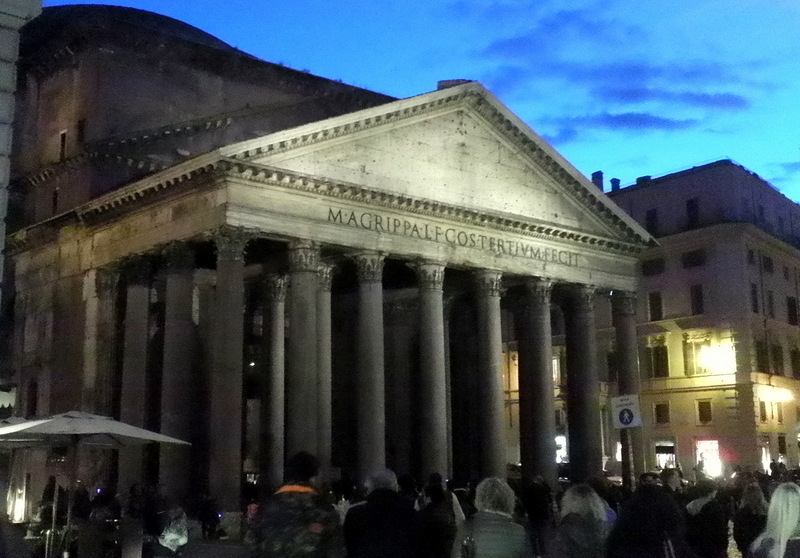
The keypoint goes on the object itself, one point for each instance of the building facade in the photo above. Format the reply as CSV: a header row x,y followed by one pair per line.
x,y
718,318
13,15
261,261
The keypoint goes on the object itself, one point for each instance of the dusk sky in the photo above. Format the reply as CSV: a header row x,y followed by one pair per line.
x,y
629,88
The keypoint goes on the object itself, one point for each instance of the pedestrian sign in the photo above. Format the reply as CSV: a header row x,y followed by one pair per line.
x,y
625,411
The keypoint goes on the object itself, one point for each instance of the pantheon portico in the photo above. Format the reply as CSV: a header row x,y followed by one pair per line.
x,y
307,290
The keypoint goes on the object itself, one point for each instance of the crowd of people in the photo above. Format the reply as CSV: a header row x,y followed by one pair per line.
x,y
389,517
663,517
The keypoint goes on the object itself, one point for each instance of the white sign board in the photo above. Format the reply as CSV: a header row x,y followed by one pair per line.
x,y
625,411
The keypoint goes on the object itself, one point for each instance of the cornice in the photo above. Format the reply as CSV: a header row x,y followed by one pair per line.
x,y
263,174
472,96
51,172
149,188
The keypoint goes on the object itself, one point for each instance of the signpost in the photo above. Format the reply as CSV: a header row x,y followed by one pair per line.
x,y
625,414
625,411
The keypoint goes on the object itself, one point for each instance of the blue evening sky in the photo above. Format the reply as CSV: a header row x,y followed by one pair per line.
x,y
629,88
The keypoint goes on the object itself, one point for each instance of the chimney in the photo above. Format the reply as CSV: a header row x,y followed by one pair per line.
x,y
597,179
614,184
446,83
643,180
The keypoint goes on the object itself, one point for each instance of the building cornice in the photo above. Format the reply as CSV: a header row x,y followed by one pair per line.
x,y
264,174
144,192
474,97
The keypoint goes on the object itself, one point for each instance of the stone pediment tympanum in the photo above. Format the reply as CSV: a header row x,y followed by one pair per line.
x,y
458,147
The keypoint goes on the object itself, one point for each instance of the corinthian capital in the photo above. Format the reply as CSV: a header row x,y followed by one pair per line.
x,y
583,296
539,290
230,243
430,275
623,303
488,282
303,256
325,276
369,266
275,287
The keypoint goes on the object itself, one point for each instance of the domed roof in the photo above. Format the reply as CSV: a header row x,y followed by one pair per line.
x,y
58,22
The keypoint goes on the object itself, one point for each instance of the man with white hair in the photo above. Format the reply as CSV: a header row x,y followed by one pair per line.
x,y
385,526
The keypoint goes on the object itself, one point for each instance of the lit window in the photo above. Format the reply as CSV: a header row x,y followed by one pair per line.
x,y
762,411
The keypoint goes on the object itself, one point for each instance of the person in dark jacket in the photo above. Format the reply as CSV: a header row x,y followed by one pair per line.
x,y
437,522
707,522
750,518
296,521
384,526
650,525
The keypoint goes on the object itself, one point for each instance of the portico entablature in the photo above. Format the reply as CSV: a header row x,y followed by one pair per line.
x,y
449,176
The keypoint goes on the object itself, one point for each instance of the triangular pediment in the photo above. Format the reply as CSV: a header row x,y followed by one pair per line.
x,y
458,147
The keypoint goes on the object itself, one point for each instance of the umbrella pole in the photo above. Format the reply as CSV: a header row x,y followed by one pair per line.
x,y
71,496
51,536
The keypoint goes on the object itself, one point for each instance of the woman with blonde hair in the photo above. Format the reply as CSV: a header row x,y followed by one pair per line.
x,y
781,538
582,528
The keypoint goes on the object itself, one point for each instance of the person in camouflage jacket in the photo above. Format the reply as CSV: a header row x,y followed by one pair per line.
x,y
297,521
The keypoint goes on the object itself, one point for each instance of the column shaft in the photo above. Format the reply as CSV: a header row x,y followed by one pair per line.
x,y
628,378
272,386
134,366
370,390
490,388
536,390
433,390
583,386
226,406
324,368
302,399
400,329
177,385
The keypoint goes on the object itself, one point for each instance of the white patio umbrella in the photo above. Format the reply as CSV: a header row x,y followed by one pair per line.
x,y
78,428
74,429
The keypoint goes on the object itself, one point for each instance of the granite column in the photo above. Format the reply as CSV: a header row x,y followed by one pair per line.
x,y
370,390
536,390
623,305
433,388
272,384
302,399
324,370
226,405
583,386
491,400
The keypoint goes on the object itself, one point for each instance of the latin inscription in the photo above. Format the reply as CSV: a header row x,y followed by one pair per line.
x,y
449,235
